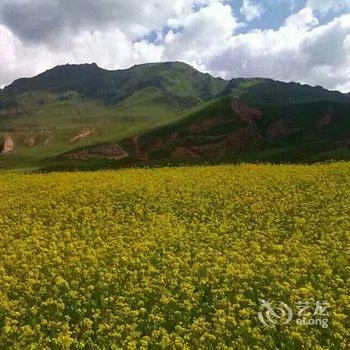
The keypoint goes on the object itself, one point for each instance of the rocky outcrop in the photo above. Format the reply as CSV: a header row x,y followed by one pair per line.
x,y
325,120
245,113
110,152
246,138
206,124
183,152
140,153
281,129
29,140
7,144
81,135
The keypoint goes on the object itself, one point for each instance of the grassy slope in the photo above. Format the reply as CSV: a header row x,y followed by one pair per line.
x,y
177,80
65,119
146,110
120,104
153,97
310,144
270,92
217,107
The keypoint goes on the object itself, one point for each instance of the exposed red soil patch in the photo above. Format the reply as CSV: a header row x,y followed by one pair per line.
x,y
206,124
160,144
164,143
210,150
7,144
245,113
140,153
244,139
183,152
29,140
280,129
111,152
82,135
325,120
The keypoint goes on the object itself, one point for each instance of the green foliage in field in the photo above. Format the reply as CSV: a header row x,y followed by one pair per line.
x,y
173,258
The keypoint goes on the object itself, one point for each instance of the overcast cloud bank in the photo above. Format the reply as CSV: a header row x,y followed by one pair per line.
x,y
36,35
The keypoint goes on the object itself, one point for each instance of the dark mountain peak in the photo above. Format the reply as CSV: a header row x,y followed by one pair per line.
x,y
159,68
177,80
59,70
87,67
273,92
177,67
76,77
164,65
268,81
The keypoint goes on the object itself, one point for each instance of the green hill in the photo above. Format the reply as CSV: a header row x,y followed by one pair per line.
x,y
176,81
78,116
271,92
232,130
44,113
228,130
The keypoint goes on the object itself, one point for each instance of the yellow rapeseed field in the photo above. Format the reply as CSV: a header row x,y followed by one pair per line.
x,y
174,258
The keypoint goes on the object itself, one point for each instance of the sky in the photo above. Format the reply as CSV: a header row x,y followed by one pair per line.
x,y
307,41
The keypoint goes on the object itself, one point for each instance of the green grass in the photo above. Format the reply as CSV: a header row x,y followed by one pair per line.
x,y
66,119
154,114
143,111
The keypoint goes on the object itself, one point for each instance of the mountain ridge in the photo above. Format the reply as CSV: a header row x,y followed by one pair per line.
x,y
96,67
99,115
100,84
265,90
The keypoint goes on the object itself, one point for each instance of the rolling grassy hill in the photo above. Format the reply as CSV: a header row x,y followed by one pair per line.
x,y
179,83
230,130
270,92
227,130
165,112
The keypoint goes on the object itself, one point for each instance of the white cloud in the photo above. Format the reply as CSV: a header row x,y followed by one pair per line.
x,y
203,36
38,34
251,10
42,20
302,19
325,6
315,55
109,49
